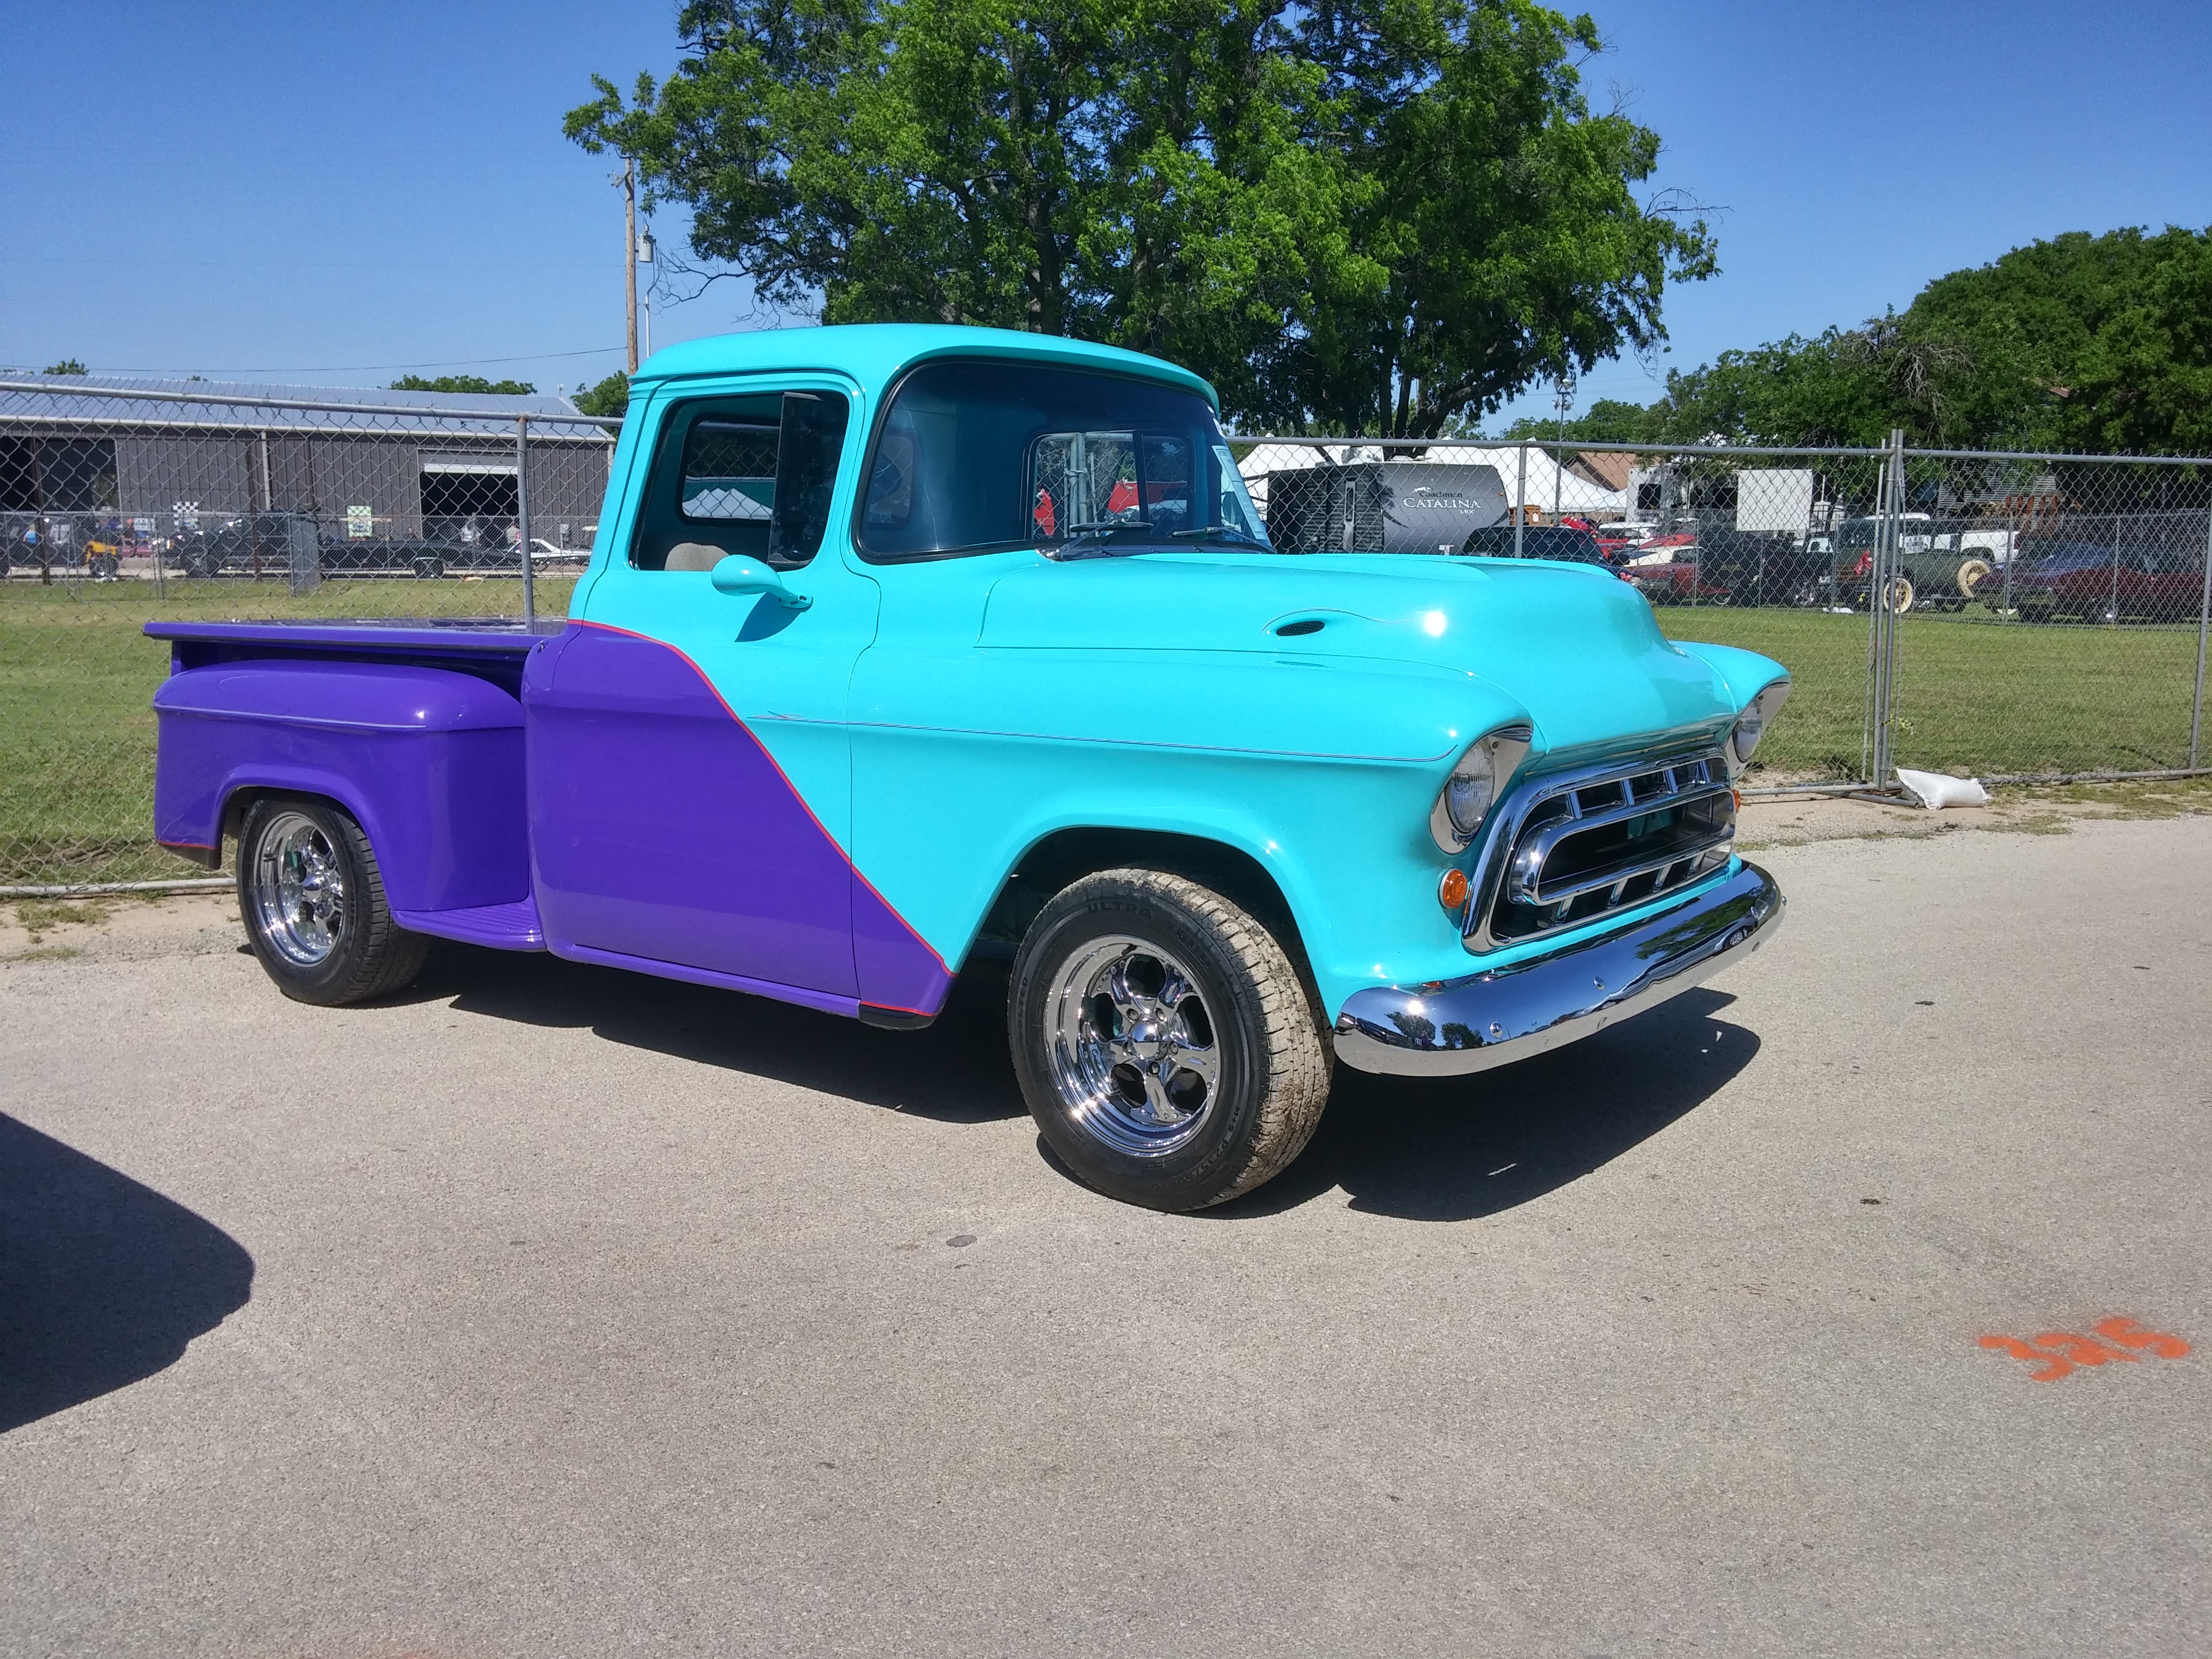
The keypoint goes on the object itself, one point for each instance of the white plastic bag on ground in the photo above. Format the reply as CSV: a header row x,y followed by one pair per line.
x,y
1936,790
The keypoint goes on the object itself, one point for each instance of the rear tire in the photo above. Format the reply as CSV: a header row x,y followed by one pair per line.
x,y
1164,1041
314,907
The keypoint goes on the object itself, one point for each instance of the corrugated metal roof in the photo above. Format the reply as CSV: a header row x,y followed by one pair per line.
x,y
78,399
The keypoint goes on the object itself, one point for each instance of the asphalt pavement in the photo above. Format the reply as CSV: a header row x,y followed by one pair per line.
x,y
547,1311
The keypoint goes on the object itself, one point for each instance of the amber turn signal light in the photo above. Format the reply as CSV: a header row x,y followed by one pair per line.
x,y
1451,891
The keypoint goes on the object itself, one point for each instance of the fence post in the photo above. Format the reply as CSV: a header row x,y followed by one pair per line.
x,y
2204,618
1881,633
1521,499
522,517
1870,709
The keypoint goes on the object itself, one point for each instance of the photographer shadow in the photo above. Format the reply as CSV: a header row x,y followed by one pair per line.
x,y
103,1282
1456,1149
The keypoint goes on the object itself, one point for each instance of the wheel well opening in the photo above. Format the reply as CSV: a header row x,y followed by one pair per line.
x,y
1068,856
241,800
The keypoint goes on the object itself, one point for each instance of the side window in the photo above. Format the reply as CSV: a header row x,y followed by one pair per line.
x,y
729,471
741,475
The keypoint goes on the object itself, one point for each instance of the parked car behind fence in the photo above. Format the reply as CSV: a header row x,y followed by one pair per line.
x,y
2082,581
1564,543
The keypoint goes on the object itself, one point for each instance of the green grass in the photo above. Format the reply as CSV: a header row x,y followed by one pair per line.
x,y
1974,696
77,680
76,675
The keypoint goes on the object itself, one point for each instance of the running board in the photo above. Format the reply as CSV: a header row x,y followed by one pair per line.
x,y
501,927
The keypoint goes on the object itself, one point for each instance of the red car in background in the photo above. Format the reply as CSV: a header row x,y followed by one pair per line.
x,y
1665,570
2093,582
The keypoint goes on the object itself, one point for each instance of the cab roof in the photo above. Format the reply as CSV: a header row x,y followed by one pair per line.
x,y
876,354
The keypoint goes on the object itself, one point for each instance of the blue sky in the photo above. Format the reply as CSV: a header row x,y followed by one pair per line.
x,y
332,194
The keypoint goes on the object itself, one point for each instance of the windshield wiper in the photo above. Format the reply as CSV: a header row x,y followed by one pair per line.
x,y
1098,539
1223,533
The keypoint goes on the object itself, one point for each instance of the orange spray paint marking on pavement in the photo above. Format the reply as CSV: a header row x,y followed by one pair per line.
x,y
2130,1333
2058,1353
2082,1350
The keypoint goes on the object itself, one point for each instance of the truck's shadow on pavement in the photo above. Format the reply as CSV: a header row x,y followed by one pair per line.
x,y
1428,1150
956,1070
102,1281
1454,1149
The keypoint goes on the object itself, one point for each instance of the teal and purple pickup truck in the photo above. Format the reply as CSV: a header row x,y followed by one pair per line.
x,y
903,649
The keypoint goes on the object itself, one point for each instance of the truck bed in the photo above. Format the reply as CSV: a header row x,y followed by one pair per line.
x,y
414,726
482,642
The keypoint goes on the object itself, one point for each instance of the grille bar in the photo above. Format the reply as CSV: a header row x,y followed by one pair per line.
x,y
1594,844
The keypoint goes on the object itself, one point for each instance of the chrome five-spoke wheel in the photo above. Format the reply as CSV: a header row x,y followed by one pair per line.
x,y
1134,1051
1164,1042
299,889
313,903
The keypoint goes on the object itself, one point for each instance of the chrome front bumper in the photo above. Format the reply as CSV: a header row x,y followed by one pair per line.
x,y
1492,1019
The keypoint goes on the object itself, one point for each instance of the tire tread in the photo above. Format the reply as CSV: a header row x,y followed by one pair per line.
x,y
1298,1059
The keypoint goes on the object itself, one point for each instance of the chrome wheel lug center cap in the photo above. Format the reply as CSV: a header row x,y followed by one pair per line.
x,y
1134,1046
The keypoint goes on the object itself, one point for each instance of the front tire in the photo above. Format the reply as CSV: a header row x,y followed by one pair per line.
x,y
1164,1041
314,908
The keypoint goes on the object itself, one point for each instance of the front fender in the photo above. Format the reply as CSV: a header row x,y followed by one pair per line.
x,y
1335,808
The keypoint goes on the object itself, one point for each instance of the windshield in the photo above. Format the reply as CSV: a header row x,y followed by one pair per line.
x,y
977,456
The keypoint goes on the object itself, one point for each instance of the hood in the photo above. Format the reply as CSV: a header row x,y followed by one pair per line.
x,y
1575,648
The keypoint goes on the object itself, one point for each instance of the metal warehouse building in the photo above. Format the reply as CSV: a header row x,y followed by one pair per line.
x,y
159,457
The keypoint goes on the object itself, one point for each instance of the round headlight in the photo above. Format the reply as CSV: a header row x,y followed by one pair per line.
x,y
1751,724
1468,793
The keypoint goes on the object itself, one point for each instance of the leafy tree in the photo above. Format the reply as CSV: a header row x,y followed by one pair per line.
x,y
2098,343
67,366
1368,213
475,383
1829,390
2095,345
609,398
1607,420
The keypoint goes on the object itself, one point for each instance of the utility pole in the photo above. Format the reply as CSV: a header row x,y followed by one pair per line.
x,y
629,253
1563,399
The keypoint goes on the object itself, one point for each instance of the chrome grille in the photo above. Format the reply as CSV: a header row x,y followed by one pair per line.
x,y
1596,842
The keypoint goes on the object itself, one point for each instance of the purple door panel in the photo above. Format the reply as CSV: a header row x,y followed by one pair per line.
x,y
429,761
664,832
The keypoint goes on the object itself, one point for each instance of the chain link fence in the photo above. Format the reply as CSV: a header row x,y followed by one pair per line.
x,y
2015,616
123,502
